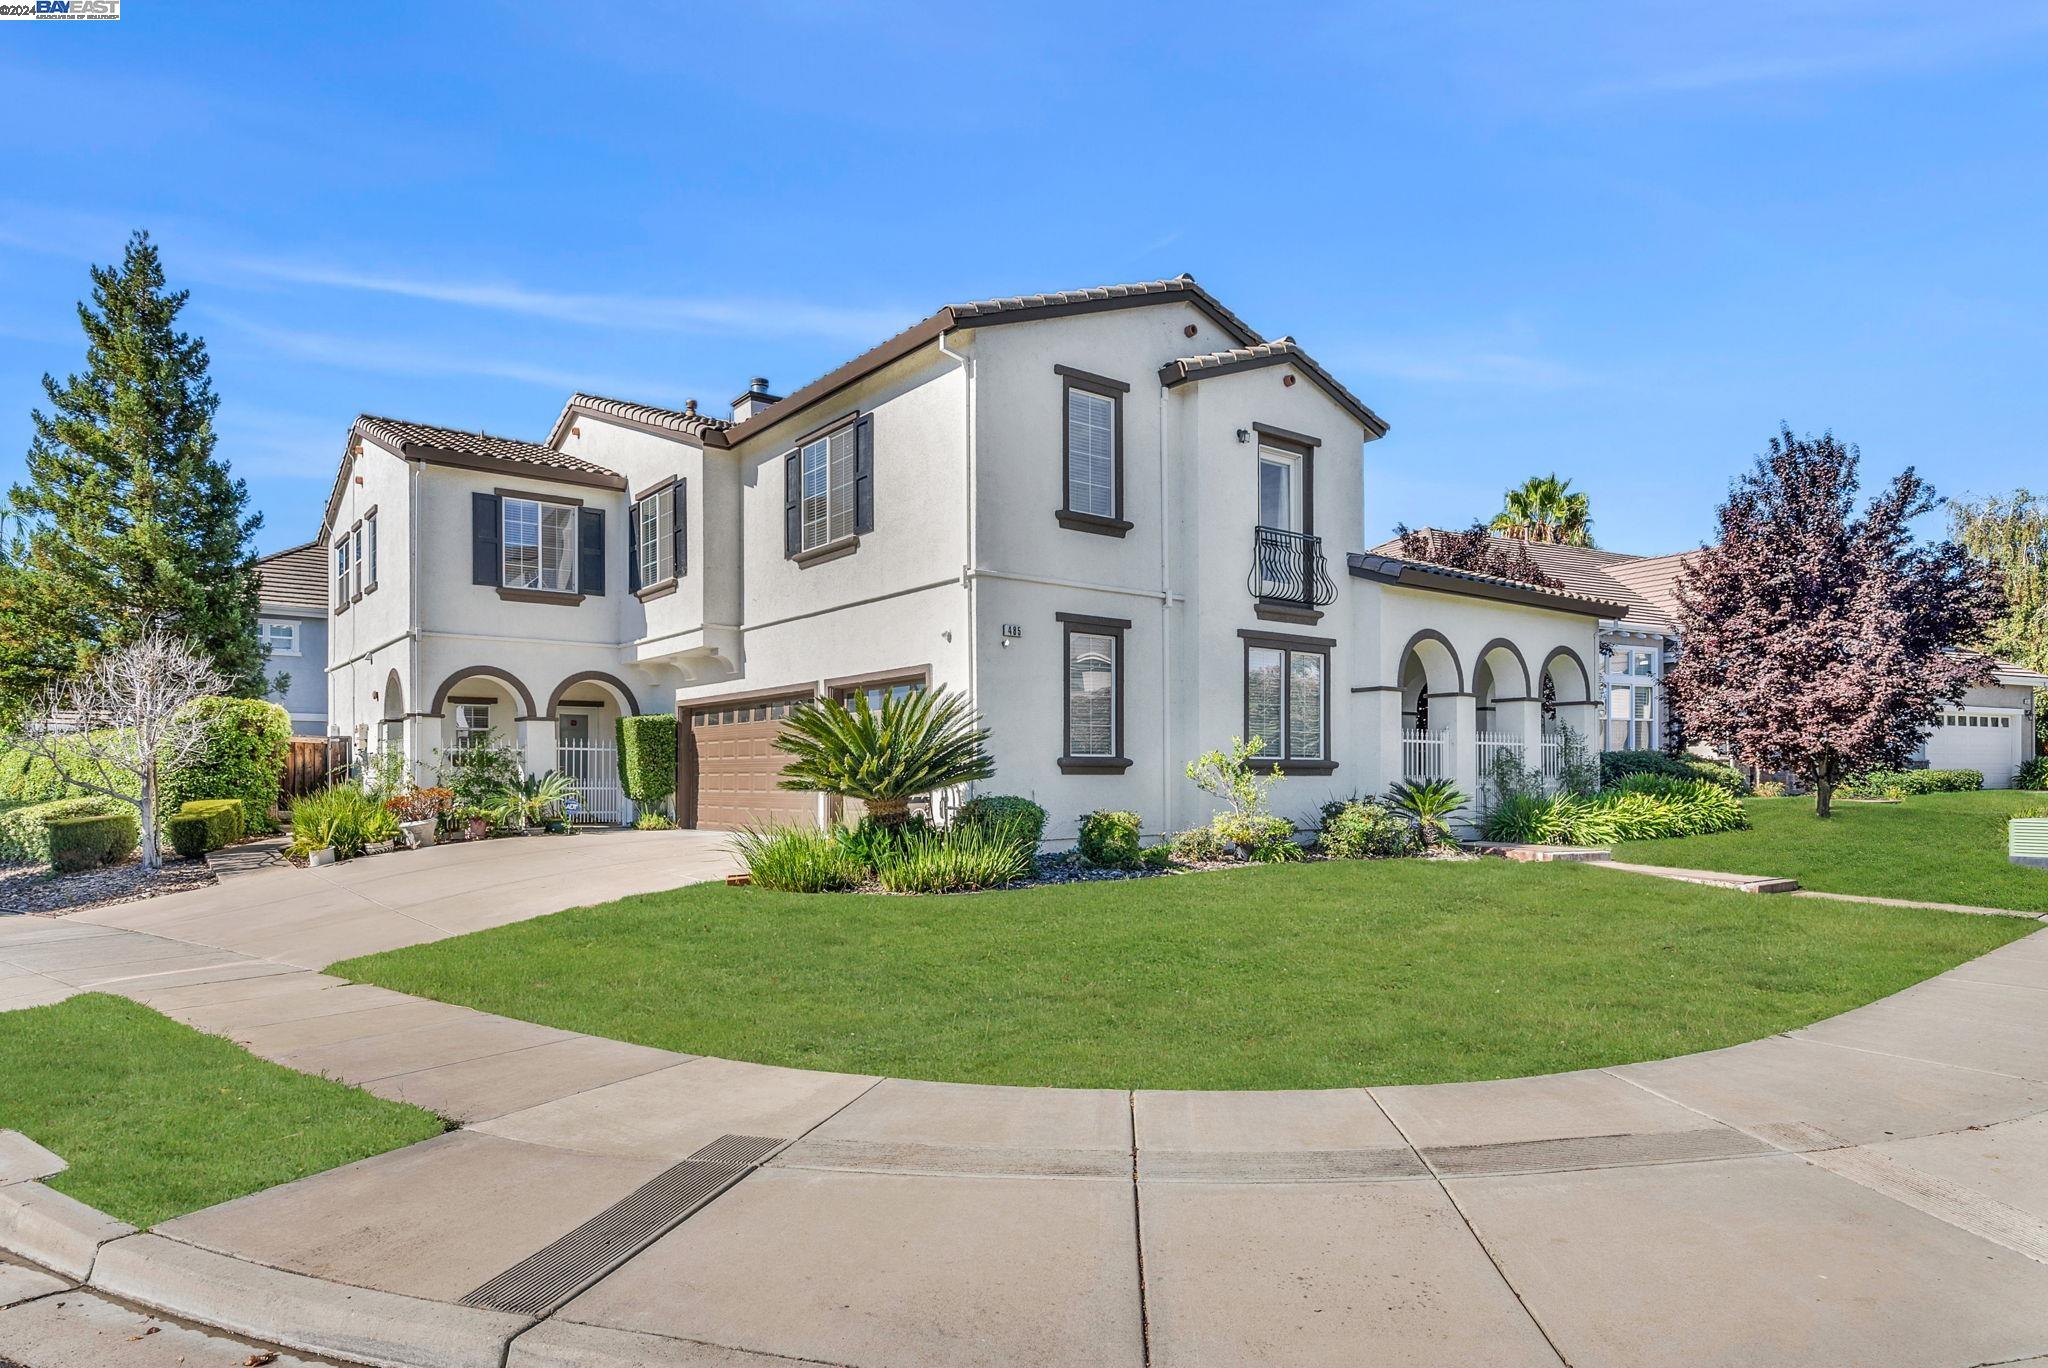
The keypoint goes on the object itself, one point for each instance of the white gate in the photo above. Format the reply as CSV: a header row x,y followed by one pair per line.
x,y
1493,745
594,769
1553,757
1422,755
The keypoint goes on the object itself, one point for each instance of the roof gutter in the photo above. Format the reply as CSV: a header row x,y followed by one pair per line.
x,y
1410,575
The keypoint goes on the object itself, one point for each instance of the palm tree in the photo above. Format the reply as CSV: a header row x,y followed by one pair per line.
x,y
1543,508
918,742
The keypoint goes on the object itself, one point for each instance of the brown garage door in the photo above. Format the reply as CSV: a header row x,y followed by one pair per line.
x,y
731,768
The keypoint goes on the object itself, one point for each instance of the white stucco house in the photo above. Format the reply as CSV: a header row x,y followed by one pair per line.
x,y
1127,526
1991,730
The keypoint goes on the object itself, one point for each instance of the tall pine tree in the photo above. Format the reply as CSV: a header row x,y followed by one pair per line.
x,y
129,516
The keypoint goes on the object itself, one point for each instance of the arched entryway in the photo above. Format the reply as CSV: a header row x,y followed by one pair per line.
x,y
584,710
1431,680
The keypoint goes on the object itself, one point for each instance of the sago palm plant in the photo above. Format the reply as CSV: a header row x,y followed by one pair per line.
x,y
1430,805
917,742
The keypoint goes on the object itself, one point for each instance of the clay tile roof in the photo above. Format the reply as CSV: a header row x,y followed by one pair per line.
x,y
423,439
1428,575
1105,295
1285,350
295,577
684,422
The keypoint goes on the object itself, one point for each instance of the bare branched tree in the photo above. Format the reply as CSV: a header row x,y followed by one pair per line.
x,y
122,722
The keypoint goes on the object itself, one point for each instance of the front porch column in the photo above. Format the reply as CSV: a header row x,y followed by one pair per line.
x,y
1379,729
538,740
1523,718
1463,719
1583,719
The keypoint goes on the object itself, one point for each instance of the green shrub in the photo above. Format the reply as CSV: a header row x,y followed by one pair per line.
x,y
1201,845
1111,839
1364,831
475,774
647,758
962,859
1770,788
1429,806
78,843
653,821
241,753
1263,839
871,844
1642,806
24,836
1004,809
1898,783
205,824
1618,765
2032,774
342,816
796,859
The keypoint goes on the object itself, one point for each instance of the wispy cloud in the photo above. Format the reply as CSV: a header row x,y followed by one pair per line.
x,y
670,313
1509,357
1957,36
380,356
266,443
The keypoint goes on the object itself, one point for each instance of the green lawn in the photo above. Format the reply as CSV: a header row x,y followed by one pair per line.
x,y
1298,976
157,1119
1938,847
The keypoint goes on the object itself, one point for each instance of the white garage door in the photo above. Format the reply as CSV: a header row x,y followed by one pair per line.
x,y
1986,739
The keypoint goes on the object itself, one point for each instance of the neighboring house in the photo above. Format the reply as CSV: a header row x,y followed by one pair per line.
x,y
292,621
1991,730
1120,521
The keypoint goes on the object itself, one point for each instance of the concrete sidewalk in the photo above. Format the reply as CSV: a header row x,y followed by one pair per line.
x,y
1867,1191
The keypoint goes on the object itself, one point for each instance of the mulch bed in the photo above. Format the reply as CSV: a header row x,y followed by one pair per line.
x,y
38,891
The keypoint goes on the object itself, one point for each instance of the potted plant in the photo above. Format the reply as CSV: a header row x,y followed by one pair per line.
x,y
419,812
476,823
535,801
2026,838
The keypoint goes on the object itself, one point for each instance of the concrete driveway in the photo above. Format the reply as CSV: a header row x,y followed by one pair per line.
x,y
1866,1191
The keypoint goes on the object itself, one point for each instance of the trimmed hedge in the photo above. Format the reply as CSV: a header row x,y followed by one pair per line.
x,y
242,751
1883,783
1003,809
205,824
647,758
241,754
24,832
1616,766
1111,839
78,843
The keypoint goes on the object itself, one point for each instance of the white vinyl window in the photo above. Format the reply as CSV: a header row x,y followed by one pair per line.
x,y
341,572
355,573
539,546
654,527
370,550
1091,694
1091,453
1632,717
1283,702
825,468
281,635
472,725
1279,490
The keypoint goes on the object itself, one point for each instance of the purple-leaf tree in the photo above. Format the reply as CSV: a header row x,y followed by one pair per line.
x,y
1819,640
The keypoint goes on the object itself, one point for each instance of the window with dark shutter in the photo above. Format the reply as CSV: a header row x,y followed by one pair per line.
x,y
590,551
864,475
792,506
483,533
681,506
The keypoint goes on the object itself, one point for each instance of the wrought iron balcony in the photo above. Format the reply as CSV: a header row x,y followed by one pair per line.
x,y
1287,567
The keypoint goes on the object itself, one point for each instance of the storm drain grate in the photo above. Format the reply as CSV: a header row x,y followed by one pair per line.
x,y
565,1266
738,1149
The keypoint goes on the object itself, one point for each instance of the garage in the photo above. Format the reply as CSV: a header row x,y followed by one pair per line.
x,y
731,767
1988,739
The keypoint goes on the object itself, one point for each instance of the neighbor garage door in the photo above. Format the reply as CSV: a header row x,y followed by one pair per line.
x,y
1984,739
731,767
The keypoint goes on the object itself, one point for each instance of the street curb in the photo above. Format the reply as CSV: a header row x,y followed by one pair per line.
x,y
46,1227
569,1344
22,1159
385,1329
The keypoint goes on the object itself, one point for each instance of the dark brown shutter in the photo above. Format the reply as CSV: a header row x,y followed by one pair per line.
x,y
590,550
484,565
680,505
792,505
864,475
632,548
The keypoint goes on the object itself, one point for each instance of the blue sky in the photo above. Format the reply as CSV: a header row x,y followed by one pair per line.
x,y
1616,241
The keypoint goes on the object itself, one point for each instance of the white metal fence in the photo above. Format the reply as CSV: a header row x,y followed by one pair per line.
x,y
1423,755
1552,764
594,769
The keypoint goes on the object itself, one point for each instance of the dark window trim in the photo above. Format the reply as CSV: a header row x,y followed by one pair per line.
x,y
1304,645
830,551
1114,628
536,595
843,546
649,592
1286,437
655,488
827,429
1304,447
1069,517
909,674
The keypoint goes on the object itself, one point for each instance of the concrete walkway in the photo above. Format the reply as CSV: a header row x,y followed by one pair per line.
x,y
1867,1191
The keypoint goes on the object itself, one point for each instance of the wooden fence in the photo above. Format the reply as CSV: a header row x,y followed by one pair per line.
x,y
314,762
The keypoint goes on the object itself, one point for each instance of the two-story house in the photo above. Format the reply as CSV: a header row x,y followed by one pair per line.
x,y
1120,521
291,620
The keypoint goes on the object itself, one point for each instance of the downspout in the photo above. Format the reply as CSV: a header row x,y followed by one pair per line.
x,y
968,576
409,729
1166,699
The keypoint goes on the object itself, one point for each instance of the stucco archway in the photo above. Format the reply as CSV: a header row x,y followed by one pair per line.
x,y
621,693
1428,668
1567,678
491,672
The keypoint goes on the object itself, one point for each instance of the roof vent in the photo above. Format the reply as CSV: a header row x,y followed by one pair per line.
x,y
754,400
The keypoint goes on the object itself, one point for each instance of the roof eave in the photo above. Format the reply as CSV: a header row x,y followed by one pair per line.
x,y
576,408
468,460
1409,575
1176,373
